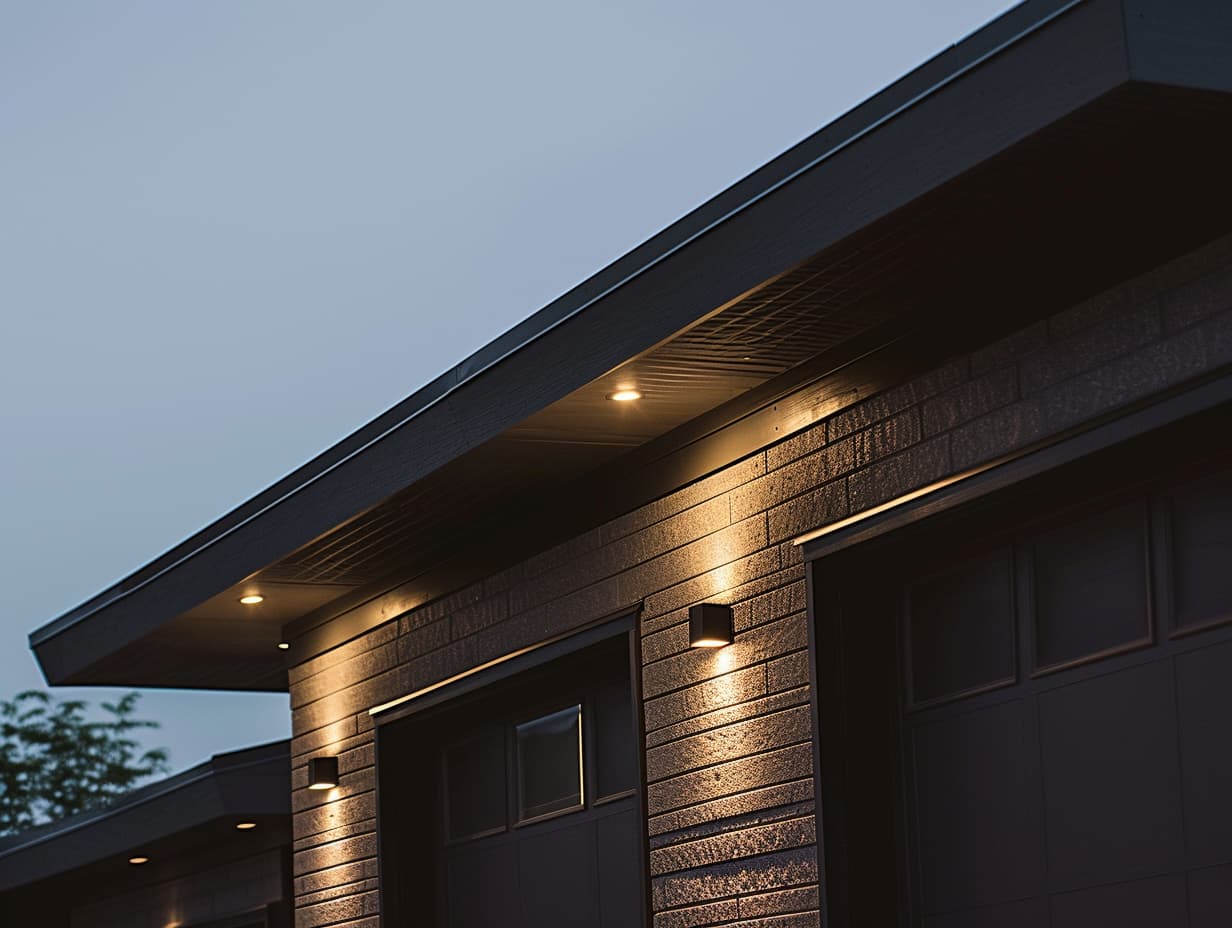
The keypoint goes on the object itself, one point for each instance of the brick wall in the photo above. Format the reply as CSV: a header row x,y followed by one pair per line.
x,y
728,731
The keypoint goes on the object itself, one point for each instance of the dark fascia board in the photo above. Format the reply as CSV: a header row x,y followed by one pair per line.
x,y
1182,44
254,782
1026,70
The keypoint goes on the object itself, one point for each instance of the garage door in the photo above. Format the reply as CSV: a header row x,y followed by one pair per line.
x,y
518,806
1056,745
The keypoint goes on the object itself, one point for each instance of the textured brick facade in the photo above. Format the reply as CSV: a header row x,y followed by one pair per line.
x,y
730,797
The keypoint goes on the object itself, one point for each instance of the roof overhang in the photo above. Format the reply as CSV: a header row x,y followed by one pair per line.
x,y
182,818
1063,147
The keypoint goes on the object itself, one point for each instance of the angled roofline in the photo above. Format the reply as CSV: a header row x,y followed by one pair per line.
x,y
924,80
1026,70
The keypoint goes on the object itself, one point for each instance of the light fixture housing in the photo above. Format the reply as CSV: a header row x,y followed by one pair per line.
x,y
710,625
322,772
625,395
251,599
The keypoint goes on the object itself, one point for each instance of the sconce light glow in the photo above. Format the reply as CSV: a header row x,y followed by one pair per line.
x,y
245,826
710,625
625,395
282,645
322,772
251,599
138,860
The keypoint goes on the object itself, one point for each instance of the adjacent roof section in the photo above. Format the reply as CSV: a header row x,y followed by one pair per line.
x,y
194,810
1058,125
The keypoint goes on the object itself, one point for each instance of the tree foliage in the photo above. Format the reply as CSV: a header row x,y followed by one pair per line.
x,y
55,762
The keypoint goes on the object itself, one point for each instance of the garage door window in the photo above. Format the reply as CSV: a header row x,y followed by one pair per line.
x,y
550,764
475,774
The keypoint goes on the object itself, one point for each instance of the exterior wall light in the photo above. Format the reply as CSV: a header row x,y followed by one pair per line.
x,y
138,860
245,826
710,625
251,599
283,645
625,395
322,772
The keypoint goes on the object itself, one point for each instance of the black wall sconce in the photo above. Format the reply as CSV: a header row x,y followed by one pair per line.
x,y
322,772
710,625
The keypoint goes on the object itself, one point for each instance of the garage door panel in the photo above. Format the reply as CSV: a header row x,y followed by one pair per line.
x,y
619,843
1154,903
1204,697
1210,897
559,877
1025,913
978,809
1111,777
494,867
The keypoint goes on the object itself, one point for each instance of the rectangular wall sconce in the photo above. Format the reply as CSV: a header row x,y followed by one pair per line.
x,y
710,625
322,772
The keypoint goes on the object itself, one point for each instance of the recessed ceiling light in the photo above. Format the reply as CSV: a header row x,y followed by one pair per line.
x,y
283,645
252,599
625,395
245,826
138,860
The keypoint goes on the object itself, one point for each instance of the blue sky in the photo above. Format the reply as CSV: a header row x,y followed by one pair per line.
x,y
231,233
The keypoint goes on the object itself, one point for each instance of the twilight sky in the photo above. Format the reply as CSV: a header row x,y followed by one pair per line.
x,y
233,232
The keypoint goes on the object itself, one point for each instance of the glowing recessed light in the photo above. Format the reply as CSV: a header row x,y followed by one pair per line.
x,y
625,395
283,645
138,860
245,826
252,599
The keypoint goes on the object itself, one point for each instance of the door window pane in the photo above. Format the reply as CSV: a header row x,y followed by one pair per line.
x,y
1090,587
475,785
961,628
612,733
550,763
1202,551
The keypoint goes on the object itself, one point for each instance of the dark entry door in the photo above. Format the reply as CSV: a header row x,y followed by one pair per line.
x,y
1062,735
